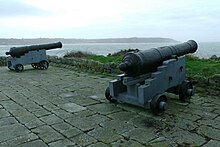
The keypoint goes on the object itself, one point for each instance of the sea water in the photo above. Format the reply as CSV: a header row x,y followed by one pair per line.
x,y
205,49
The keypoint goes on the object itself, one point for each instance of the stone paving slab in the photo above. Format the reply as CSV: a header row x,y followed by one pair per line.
x,y
60,107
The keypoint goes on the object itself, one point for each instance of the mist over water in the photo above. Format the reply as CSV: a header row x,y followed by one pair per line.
x,y
208,49
205,49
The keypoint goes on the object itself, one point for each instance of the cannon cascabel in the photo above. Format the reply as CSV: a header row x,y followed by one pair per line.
x,y
134,64
19,51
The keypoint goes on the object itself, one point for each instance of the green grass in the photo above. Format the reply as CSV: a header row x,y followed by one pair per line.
x,y
103,59
202,67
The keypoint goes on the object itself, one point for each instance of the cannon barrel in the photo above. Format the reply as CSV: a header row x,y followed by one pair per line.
x,y
18,51
146,61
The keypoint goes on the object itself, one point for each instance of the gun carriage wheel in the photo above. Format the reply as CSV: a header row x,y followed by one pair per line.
x,y
185,91
43,64
34,65
19,68
108,96
158,104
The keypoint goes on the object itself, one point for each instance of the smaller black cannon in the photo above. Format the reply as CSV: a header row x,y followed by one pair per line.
x,y
150,73
34,55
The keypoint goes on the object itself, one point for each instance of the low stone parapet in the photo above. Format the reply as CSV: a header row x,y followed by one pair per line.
x,y
84,64
2,61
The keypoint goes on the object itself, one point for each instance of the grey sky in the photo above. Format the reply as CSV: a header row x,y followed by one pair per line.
x,y
14,8
177,19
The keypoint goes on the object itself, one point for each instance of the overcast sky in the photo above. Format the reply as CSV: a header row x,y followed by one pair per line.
x,y
177,19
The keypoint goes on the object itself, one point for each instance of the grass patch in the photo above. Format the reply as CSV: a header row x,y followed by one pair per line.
x,y
202,67
103,59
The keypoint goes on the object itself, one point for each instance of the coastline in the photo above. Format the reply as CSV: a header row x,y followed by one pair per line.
x,y
205,49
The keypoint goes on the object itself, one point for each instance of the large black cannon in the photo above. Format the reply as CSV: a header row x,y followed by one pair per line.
x,y
148,60
150,73
34,55
19,51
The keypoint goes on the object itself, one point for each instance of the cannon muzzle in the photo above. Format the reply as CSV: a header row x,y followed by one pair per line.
x,y
146,61
19,51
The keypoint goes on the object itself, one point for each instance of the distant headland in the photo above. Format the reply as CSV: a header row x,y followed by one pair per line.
x,y
14,41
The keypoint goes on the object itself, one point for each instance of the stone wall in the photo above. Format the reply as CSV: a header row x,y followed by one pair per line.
x,y
85,65
214,57
2,61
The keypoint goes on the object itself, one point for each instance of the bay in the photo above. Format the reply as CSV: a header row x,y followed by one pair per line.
x,y
205,49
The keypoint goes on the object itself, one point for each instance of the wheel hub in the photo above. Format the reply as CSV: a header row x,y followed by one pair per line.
x,y
163,105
